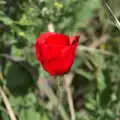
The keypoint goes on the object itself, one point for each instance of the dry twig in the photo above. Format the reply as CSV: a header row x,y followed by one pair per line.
x,y
68,80
7,104
102,40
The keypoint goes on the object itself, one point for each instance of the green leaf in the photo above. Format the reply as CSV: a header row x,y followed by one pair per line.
x,y
85,74
30,99
101,84
29,114
18,80
33,114
6,20
76,64
98,61
86,9
4,116
25,21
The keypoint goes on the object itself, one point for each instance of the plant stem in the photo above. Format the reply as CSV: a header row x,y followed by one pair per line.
x,y
93,50
49,92
68,80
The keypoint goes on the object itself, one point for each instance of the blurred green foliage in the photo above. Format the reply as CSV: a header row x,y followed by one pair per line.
x,y
96,80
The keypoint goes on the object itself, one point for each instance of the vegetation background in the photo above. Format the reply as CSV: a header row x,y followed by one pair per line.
x,y
96,81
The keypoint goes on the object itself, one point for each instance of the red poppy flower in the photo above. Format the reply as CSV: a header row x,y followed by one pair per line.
x,y
56,52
